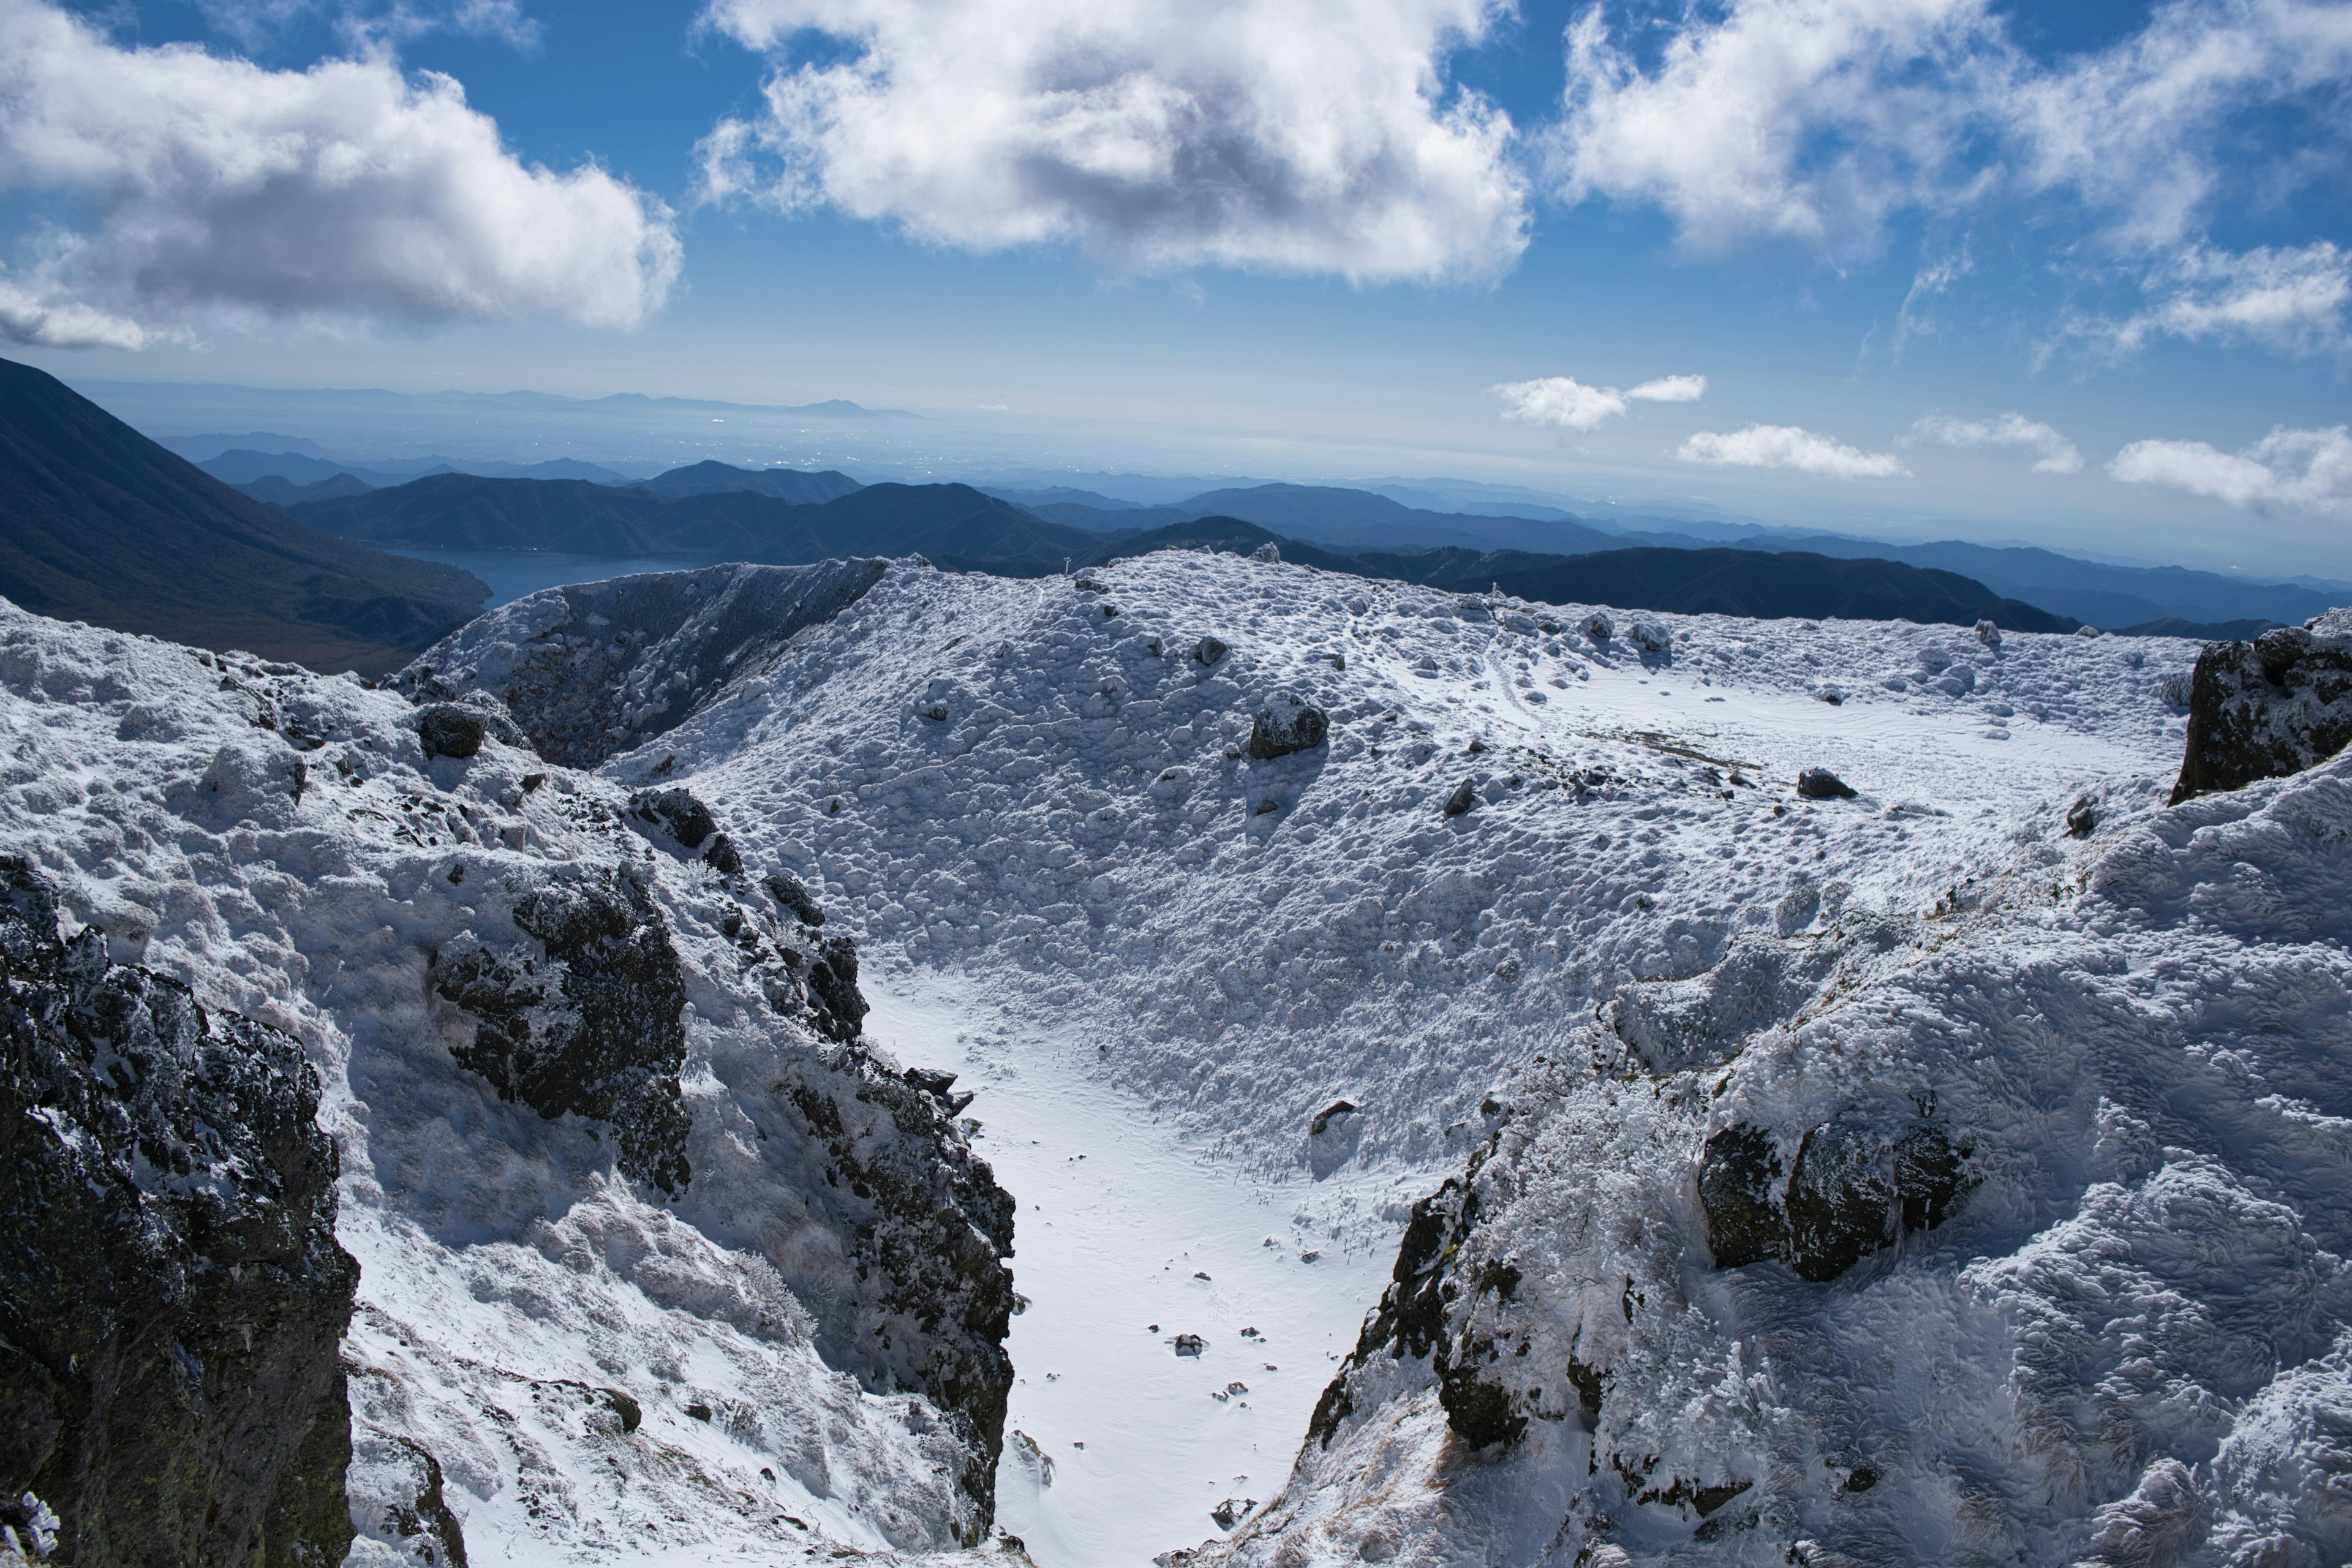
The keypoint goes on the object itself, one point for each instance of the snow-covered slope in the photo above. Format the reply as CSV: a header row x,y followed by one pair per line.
x,y
1041,799
707,1277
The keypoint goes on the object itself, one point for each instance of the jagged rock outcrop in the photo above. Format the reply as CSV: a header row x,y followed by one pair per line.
x,y
594,668
584,1016
172,1296
2269,707
1849,1193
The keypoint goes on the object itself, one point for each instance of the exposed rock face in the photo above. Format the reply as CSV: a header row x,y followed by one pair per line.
x,y
597,667
927,1228
584,1017
1287,724
450,730
1849,1193
2269,707
174,1296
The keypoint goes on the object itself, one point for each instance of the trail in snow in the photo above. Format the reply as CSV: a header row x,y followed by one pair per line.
x,y
1123,1446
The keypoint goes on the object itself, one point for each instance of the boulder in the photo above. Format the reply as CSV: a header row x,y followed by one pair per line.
x,y
1598,626
1286,723
1464,795
677,813
2269,707
1651,635
1267,552
1208,650
1820,784
451,730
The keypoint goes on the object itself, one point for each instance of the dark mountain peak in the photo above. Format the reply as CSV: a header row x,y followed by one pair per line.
x,y
98,523
802,487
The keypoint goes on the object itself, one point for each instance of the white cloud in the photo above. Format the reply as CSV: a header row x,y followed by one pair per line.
x,y
220,188
2309,469
1817,120
1315,136
1789,446
1560,401
1670,389
41,317
2292,298
1567,404
2054,453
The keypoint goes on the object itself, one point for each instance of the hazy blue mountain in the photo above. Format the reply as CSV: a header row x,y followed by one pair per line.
x,y
955,525
98,524
2091,590
244,465
803,487
282,493
197,449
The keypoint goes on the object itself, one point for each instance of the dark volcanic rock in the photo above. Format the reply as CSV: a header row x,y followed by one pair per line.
x,y
450,730
583,1016
1464,797
675,812
1820,784
2269,707
1851,1192
838,1009
1286,723
793,894
172,1299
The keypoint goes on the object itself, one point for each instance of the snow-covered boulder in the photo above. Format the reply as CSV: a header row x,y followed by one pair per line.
x,y
2269,706
1287,724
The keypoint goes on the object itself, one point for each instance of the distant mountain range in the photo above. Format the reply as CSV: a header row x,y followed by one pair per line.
x,y
98,524
964,529
1350,522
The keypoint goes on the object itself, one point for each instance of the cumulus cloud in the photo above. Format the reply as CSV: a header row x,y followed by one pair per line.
x,y
216,187
1311,136
1560,401
2308,469
1567,404
1789,446
1817,120
2054,453
1670,389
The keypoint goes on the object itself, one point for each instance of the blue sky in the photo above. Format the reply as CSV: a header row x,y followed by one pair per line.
x,y
2071,275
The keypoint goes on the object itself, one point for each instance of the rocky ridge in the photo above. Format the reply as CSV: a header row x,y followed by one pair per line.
x,y
656,1249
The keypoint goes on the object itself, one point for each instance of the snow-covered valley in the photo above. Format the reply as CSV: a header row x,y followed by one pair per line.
x,y
1531,920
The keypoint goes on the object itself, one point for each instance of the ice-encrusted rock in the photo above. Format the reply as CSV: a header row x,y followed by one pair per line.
x,y
173,1295
2022,1238
1649,635
596,668
2268,708
583,1016
536,1320
675,812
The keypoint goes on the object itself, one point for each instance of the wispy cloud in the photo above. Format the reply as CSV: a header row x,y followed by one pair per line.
x,y
2054,453
1670,389
2292,298
2307,469
1790,446
1565,403
345,191
1305,136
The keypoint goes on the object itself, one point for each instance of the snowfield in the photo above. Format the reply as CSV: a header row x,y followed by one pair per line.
x,y
2011,1098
